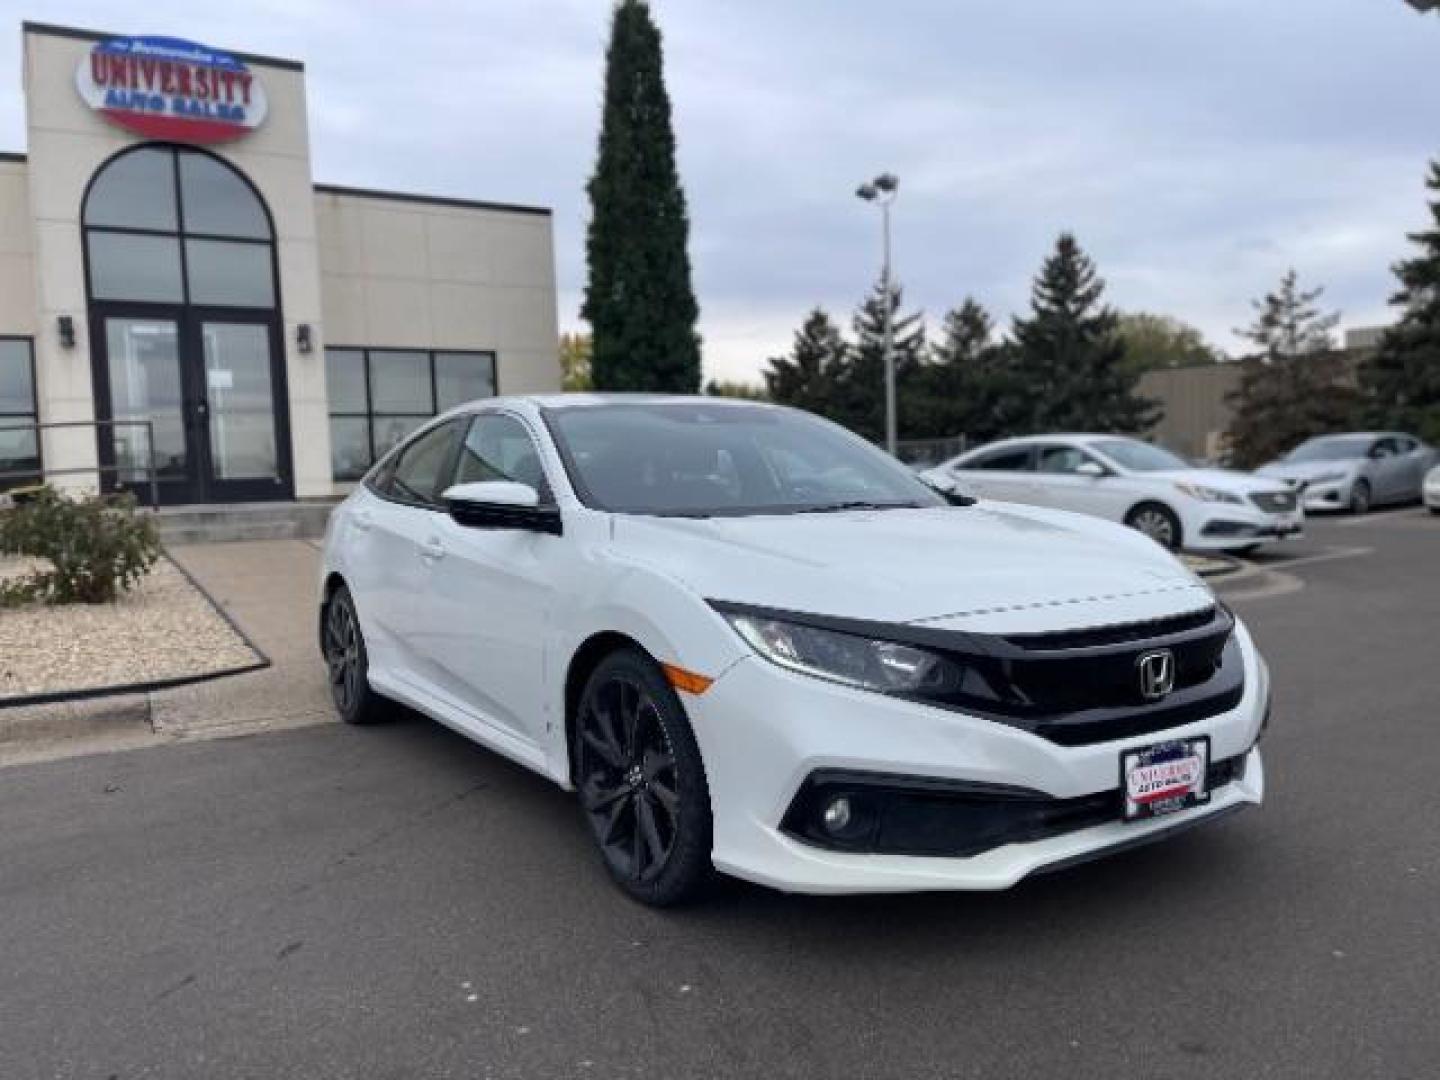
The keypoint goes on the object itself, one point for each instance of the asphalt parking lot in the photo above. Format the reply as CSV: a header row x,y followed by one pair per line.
x,y
394,902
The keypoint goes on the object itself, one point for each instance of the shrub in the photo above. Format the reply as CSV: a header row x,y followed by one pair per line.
x,y
96,547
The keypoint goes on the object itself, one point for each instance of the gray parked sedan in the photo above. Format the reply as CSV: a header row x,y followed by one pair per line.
x,y
1356,470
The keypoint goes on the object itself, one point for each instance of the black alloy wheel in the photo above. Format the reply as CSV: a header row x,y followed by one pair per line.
x,y
347,663
642,785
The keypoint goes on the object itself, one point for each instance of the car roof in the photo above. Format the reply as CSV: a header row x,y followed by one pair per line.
x,y
594,398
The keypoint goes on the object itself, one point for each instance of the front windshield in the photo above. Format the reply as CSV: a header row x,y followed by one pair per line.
x,y
1140,456
1331,448
703,459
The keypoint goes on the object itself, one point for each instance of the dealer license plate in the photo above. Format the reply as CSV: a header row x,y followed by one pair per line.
x,y
1164,778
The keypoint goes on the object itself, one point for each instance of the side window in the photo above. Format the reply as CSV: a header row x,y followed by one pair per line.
x,y
1383,448
1408,445
1010,459
421,470
498,447
1061,459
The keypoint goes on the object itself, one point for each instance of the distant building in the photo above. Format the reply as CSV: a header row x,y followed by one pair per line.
x,y
1196,414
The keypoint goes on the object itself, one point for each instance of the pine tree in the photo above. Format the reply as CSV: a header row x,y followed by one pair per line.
x,y
1295,384
639,300
862,396
1071,356
1402,380
958,388
811,376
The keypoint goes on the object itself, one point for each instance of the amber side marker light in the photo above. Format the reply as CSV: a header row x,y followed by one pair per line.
x,y
688,681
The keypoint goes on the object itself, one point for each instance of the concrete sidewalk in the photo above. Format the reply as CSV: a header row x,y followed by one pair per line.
x,y
268,588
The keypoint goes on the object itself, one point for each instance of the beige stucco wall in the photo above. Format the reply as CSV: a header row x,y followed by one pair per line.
x,y
67,142
17,266
405,273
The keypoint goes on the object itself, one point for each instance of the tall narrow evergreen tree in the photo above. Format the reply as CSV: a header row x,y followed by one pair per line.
x,y
1295,384
639,299
1402,380
810,377
1071,355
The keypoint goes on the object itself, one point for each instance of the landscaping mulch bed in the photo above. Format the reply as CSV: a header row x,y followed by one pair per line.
x,y
164,630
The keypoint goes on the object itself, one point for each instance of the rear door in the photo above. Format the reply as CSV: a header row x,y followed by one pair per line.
x,y
1414,457
1004,472
491,592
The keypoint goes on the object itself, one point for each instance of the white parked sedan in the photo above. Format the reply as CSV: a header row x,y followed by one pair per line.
x,y
753,642
1132,482
1431,492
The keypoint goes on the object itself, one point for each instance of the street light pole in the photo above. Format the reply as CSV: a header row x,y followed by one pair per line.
x,y
882,190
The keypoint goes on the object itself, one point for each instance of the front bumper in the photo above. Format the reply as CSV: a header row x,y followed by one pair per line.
x,y
763,731
1226,526
1432,496
1334,495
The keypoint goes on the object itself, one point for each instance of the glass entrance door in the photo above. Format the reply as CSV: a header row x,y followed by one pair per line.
x,y
145,378
238,408
208,383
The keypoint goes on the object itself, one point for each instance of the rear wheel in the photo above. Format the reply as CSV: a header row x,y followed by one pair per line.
x,y
1360,497
347,663
1157,522
641,781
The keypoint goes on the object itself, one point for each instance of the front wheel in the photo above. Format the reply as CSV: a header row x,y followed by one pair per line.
x,y
641,781
1360,497
1157,522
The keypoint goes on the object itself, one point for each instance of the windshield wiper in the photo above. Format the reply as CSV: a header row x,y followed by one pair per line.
x,y
858,504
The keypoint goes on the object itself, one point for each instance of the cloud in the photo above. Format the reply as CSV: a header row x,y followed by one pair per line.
x,y
1197,147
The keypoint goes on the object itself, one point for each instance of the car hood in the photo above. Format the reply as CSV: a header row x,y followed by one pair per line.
x,y
993,566
1228,480
1308,470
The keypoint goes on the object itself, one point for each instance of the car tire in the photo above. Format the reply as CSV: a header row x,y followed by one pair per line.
x,y
1360,497
1157,521
641,781
347,663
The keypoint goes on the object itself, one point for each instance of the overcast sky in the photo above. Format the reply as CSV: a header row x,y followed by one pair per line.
x,y
1196,147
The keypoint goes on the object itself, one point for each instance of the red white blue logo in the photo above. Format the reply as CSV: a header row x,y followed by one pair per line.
x,y
166,88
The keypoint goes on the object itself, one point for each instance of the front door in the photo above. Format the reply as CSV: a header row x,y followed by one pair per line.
x,y
211,383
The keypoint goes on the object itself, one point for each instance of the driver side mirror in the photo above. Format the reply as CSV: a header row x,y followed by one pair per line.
x,y
1377,453
501,504
948,489
1092,469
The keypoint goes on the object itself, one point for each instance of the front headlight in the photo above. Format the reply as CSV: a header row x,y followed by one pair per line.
x,y
1207,494
1327,478
884,666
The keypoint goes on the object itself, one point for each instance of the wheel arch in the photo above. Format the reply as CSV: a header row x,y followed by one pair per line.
x,y
583,662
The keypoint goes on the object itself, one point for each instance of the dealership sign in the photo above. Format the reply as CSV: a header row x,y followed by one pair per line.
x,y
165,88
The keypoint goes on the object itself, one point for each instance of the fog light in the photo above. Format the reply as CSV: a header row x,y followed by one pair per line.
x,y
837,814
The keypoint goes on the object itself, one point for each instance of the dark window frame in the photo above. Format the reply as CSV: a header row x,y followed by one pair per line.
x,y
8,417
370,414
180,234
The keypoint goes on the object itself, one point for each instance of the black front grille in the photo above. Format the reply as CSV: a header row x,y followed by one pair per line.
x,y
1275,502
918,816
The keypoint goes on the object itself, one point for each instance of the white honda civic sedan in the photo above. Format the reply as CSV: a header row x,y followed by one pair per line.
x,y
1133,482
754,643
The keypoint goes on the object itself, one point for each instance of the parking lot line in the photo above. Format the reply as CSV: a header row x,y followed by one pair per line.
x,y
1384,517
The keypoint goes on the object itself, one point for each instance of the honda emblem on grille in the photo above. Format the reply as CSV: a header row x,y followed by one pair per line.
x,y
1157,674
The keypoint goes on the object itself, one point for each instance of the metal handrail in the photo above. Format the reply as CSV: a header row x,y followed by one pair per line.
x,y
153,473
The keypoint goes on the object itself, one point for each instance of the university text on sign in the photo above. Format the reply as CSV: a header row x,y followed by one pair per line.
x,y
166,88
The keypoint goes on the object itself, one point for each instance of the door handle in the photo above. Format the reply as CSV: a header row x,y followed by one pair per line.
x,y
362,520
432,549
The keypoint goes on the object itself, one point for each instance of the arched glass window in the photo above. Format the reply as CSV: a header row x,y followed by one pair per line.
x,y
175,226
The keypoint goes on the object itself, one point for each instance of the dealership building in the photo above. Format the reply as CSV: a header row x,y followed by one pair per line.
x,y
168,265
